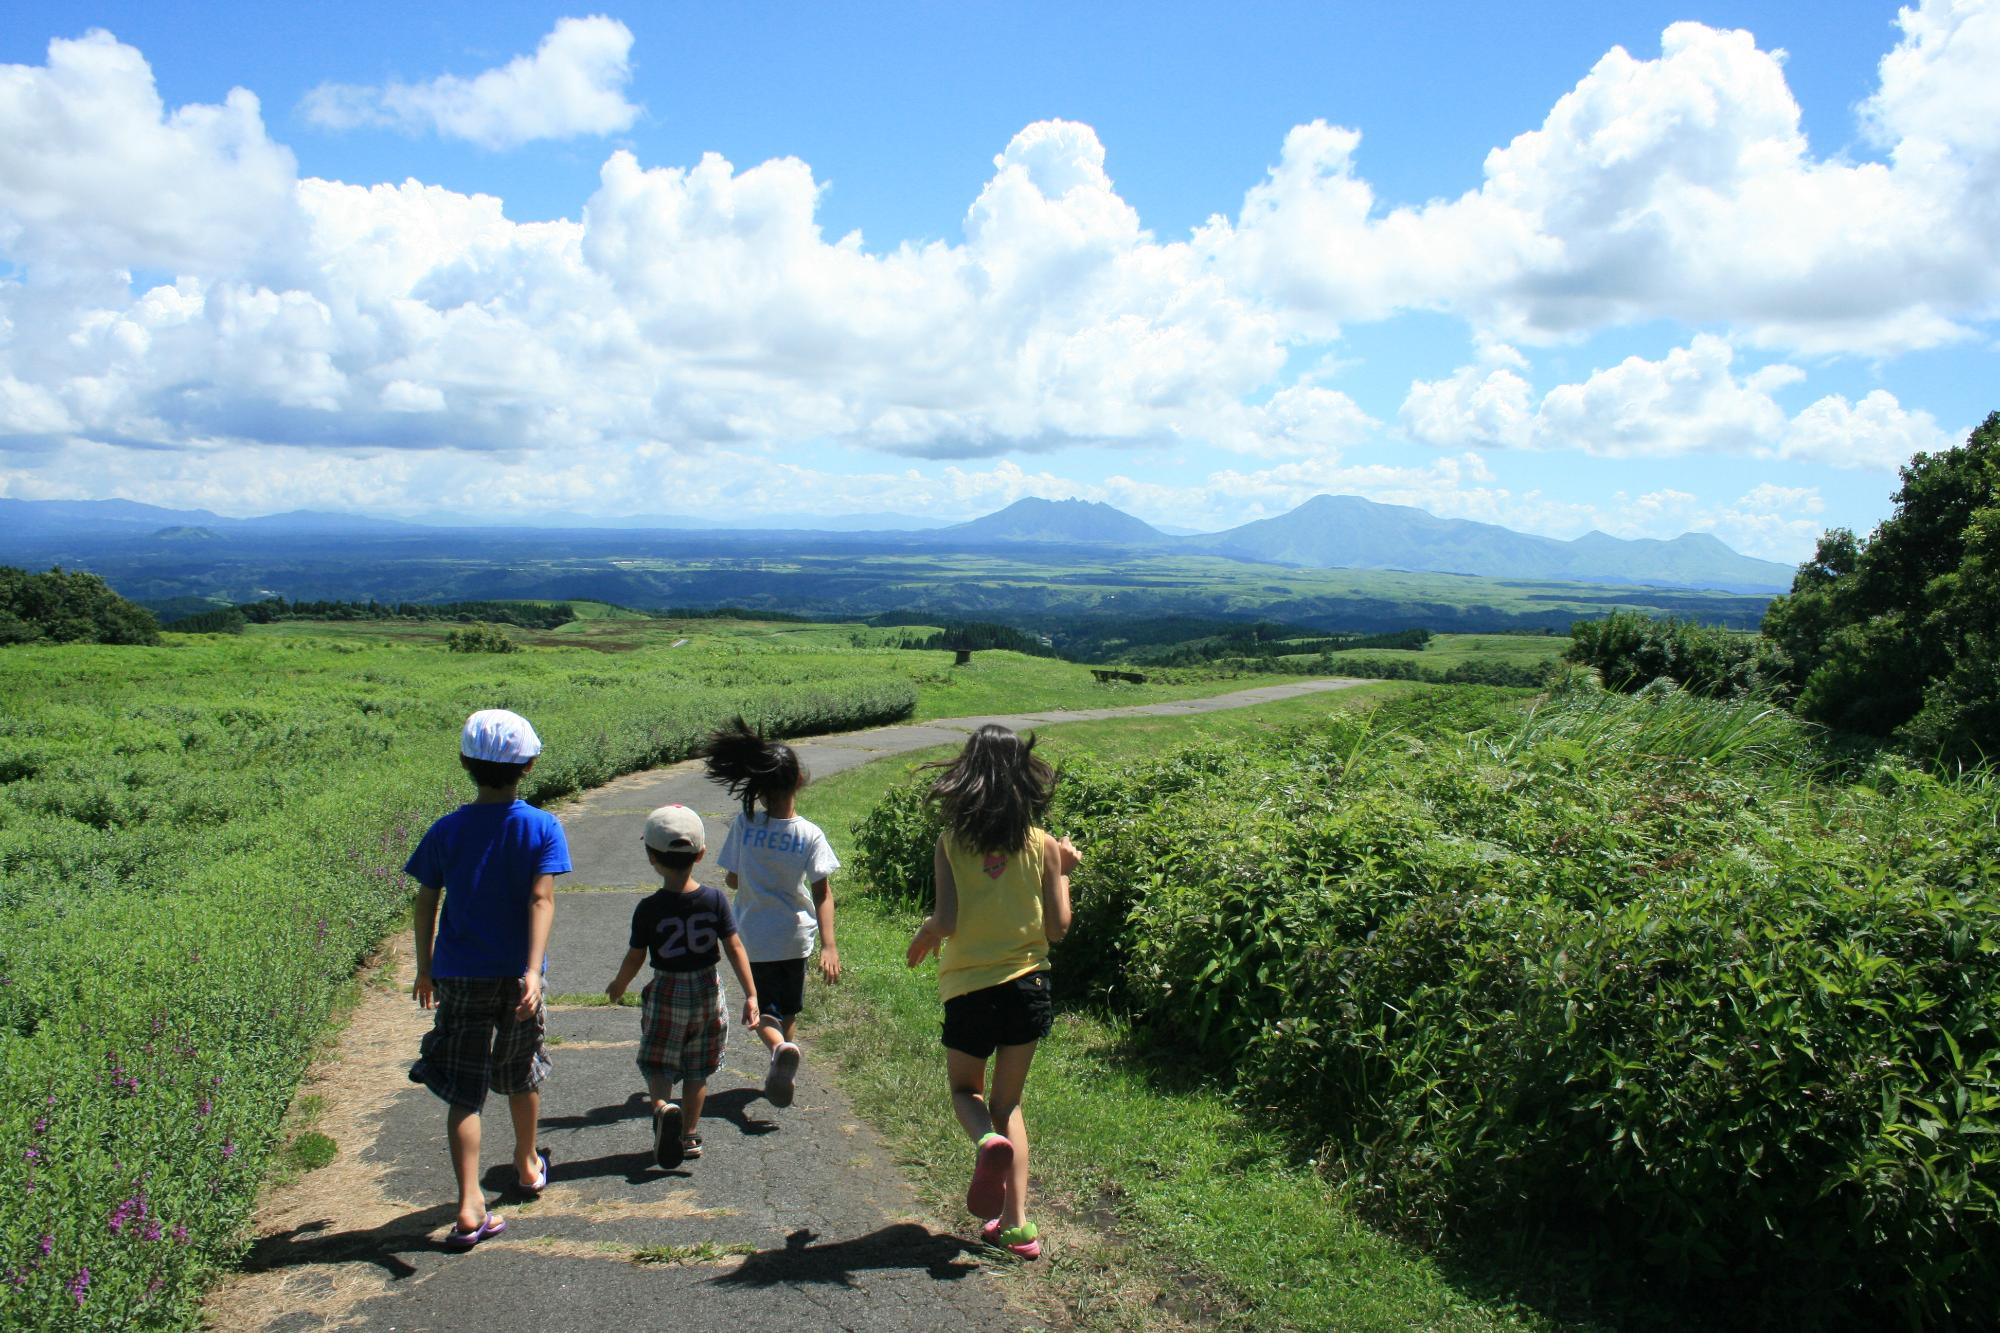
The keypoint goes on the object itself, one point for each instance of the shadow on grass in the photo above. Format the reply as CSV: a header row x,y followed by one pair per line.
x,y
901,1245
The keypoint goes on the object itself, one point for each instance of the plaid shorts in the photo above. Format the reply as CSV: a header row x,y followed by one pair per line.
x,y
681,1025
476,1043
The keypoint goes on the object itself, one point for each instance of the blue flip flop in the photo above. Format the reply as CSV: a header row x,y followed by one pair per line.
x,y
465,1240
536,1189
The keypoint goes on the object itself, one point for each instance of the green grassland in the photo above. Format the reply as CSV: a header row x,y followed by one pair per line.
x,y
199,841
1445,651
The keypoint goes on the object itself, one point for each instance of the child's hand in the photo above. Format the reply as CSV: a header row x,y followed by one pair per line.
x,y
531,996
420,990
616,991
751,1011
829,963
923,944
1071,858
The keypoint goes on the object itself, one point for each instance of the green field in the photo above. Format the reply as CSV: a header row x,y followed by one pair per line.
x,y
1404,960
199,841
1445,651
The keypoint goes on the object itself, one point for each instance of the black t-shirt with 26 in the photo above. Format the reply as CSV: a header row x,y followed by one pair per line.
x,y
683,931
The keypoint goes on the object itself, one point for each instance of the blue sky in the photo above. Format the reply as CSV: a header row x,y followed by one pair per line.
x,y
1642,268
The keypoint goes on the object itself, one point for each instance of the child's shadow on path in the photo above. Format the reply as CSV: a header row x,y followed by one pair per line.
x,y
900,1245
383,1246
734,1106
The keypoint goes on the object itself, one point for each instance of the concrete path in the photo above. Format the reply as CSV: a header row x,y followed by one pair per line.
x,y
794,1218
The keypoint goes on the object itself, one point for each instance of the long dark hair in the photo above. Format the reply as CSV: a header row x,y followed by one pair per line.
x,y
994,791
751,767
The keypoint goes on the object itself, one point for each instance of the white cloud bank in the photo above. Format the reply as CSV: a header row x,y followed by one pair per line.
x,y
574,84
319,337
1690,401
1680,188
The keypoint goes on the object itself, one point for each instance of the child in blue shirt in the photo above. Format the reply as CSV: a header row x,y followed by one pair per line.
x,y
480,967
685,929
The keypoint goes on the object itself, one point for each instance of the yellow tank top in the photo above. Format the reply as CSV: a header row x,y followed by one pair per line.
x,y
999,935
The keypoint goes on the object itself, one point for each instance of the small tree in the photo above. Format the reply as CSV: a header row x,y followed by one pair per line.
x,y
1897,635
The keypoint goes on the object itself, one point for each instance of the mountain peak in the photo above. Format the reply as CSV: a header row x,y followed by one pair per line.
x,y
1034,519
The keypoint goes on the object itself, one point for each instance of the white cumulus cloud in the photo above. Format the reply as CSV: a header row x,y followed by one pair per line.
x,y
1690,401
574,84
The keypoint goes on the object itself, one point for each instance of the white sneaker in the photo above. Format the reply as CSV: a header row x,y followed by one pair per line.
x,y
784,1068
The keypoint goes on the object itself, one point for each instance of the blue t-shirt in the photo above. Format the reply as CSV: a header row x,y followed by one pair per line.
x,y
487,858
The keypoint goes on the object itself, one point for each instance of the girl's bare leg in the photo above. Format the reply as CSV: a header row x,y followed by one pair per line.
x,y
1010,1078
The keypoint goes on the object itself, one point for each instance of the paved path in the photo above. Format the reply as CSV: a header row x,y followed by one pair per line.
x,y
792,1219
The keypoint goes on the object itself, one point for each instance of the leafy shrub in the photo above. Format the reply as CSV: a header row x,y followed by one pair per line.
x,y
1629,650
1636,971
59,607
479,639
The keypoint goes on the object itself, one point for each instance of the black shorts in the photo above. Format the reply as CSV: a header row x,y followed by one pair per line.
x,y
781,987
1012,1013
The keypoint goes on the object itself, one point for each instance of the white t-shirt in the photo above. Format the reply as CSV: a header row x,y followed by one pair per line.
x,y
777,861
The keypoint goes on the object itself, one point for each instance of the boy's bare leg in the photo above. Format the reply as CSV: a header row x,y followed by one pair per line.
x,y
462,1129
661,1090
693,1094
771,1033
526,1108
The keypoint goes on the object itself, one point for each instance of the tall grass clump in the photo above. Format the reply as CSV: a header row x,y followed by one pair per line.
x,y
198,843
1633,975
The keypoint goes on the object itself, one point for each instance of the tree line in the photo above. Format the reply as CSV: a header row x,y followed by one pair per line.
x,y
1894,635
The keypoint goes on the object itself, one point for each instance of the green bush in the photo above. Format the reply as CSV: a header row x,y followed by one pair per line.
x,y
1629,651
1636,973
479,639
59,607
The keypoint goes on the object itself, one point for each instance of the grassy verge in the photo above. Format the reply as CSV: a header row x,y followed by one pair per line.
x,y
1164,1201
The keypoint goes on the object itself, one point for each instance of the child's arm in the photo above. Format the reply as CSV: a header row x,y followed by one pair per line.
x,y
1059,857
541,915
424,919
943,920
634,960
738,959
829,952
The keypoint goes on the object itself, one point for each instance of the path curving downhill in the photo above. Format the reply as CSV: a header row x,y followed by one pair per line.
x,y
791,1219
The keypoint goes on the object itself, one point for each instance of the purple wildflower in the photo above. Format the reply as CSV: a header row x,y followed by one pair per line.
x,y
205,1108
153,1231
180,1234
33,1154
228,1148
48,1243
80,1284
42,1125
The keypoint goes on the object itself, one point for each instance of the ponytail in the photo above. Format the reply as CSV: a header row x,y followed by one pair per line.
x,y
751,767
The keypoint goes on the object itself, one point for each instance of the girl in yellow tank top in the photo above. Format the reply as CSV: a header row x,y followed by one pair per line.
x,y
1002,899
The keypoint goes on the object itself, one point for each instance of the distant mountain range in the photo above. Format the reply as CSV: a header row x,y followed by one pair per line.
x,y
1326,532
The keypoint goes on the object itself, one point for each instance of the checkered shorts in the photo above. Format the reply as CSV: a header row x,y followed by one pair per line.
x,y
476,1043
681,1025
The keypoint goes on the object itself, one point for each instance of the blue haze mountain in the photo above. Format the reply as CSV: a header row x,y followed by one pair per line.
x,y
1326,532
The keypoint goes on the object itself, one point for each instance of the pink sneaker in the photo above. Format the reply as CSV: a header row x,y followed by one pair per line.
x,y
987,1194
1022,1241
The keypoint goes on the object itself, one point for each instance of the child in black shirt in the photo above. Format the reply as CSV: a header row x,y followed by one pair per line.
x,y
685,928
